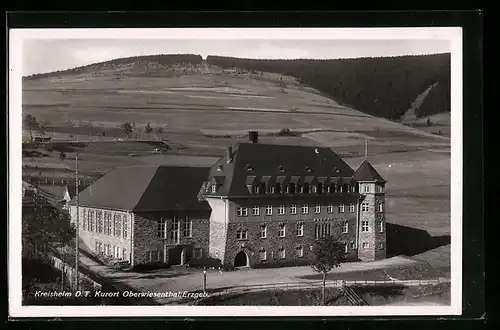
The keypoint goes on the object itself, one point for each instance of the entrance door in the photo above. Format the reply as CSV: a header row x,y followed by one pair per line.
x,y
241,259
174,255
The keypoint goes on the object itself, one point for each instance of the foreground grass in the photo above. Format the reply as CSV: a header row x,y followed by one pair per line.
x,y
374,296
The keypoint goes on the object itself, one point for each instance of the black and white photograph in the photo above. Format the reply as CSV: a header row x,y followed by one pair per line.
x,y
278,171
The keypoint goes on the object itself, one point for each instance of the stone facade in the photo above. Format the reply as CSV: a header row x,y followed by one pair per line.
x,y
140,243
226,241
372,238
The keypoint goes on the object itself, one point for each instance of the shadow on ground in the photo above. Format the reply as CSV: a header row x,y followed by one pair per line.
x,y
408,241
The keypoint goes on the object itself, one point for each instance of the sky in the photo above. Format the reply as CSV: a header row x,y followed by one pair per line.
x,y
47,55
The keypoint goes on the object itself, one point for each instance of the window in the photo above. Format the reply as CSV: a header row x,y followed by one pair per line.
x,y
322,230
282,253
97,248
299,251
319,188
125,226
263,231
317,208
198,253
162,228
353,188
262,255
174,233
84,222
242,211
269,210
364,226
380,207
124,254
353,246
281,209
255,210
314,189
273,189
117,225
366,245
107,223
346,248
305,209
300,228
242,234
187,227
99,221
282,230
365,207
214,188
292,188
341,208
345,227
381,227
381,246
91,222
351,207
329,208
379,188
366,188
293,209
287,189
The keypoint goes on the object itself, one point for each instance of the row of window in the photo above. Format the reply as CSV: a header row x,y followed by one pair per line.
x,y
365,206
104,222
292,188
299,253
321,230
111,251
299,250
178,226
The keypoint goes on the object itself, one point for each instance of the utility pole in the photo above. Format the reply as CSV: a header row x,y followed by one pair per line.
x,y
77,238
366,148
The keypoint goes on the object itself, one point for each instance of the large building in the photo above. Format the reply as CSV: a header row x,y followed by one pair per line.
x,y
260,203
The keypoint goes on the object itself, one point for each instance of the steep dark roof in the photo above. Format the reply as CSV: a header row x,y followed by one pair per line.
x,y
366,172
147,188
270,162
57,191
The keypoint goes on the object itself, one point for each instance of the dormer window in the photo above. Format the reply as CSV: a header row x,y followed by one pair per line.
x,y
273,189
280,169
219,168
292,188
319,188
214,188
308,169
278,188
305,188
248,168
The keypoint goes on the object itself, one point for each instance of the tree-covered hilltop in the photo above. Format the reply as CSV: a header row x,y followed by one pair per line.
x,y
383,86
161,59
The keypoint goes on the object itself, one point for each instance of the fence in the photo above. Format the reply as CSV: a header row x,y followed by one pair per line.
x,y
319,284
84,281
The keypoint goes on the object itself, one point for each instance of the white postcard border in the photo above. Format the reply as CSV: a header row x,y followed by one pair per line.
x,y
453,34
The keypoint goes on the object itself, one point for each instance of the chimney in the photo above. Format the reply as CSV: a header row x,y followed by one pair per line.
x,y
253,136
229,153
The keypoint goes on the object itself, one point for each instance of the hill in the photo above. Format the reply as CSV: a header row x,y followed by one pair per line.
x,y
383,87
200,107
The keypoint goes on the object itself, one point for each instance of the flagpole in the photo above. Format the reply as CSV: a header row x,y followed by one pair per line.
x,y
77,238
366,148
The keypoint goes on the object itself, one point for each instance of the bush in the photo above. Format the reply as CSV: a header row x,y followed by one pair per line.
x,y
205,263
278,264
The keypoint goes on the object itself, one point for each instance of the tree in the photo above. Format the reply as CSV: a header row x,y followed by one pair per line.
x,y
42,129
328,253
62,156
31,124
159,132
148,129
127,128
429,122
45,224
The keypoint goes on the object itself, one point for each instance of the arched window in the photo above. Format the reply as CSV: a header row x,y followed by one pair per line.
x,y
319,188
